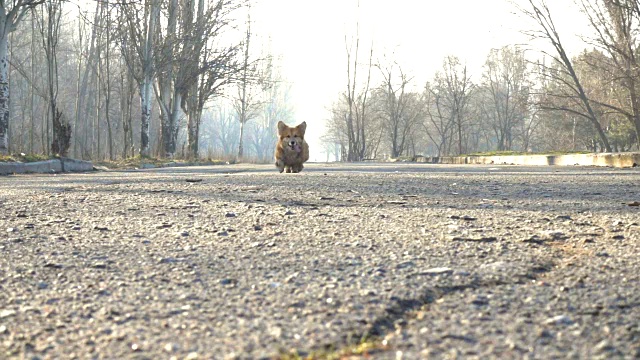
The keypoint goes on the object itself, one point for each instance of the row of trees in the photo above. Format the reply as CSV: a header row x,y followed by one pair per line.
x,y
449,115
222,128
560,103
127,78
176,77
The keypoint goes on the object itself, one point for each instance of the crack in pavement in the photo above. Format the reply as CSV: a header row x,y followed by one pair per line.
x,y
402,309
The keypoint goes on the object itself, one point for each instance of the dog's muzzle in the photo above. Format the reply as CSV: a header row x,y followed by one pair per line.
x,y
295,146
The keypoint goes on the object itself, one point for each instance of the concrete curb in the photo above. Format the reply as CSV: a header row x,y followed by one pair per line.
x,y
74,165
618,160
46,167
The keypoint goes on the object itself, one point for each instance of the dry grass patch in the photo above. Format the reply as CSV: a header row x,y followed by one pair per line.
x,y
25,158
362,350
138,162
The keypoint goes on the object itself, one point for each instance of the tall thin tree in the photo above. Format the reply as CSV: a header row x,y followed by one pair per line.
x,y
11,13
540,13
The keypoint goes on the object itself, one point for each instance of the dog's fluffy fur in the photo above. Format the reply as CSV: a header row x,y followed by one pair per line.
x,y
291,149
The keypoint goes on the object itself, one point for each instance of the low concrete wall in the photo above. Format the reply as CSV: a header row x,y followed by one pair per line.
x,y
601,159
46,167
73,165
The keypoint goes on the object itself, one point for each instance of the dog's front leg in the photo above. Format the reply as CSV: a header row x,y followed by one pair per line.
x,y
297,168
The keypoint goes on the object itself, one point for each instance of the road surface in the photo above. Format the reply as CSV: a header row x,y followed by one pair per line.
x,y
394,260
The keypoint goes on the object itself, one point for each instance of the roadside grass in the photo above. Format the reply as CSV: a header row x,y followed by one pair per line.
x,y
138,161
515,153
25,158
404,158
355,351
135,162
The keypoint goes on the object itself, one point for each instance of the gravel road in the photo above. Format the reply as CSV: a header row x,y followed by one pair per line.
x,y
241,262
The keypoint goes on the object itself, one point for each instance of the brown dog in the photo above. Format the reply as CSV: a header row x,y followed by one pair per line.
x,y
291,149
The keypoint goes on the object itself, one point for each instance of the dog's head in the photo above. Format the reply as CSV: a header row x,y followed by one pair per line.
x,y
291,137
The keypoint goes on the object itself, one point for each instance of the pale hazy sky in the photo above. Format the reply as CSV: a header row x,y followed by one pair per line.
x,y
310,38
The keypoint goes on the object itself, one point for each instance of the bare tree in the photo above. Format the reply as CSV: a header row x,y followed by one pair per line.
x,y
49,26
616,25
127,94
166,85
10,16
251,86
276,107
505,89
459,89
137,48
540,13
26,60
439,122
356,103
186,82
106,79
447,105
400,109
219,65
86,96
80,49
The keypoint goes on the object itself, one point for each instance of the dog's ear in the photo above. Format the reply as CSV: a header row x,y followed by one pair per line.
x,y
281,127
302,127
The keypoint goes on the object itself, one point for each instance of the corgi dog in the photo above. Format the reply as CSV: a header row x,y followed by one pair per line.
x,y
291,149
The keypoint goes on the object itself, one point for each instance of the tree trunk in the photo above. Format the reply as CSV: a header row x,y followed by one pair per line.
x,y
77,105
459,127
32,90
61,128
96,128
169,102
44,138
193,133
145,115
61,134
147,82
4,85
126,101
240,142
8,22
170,126
86,97
107,95
175,124
243,95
